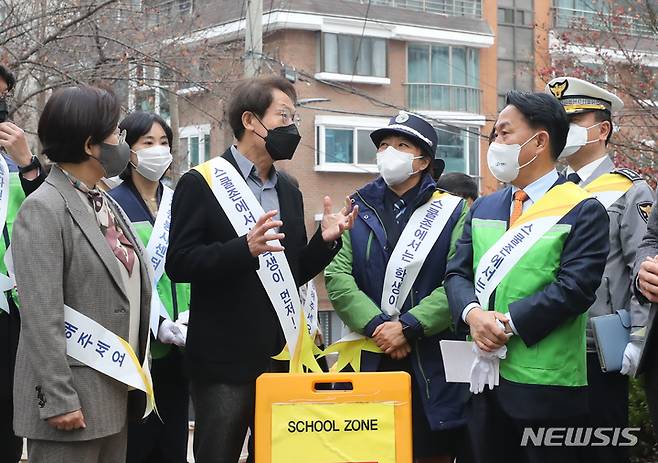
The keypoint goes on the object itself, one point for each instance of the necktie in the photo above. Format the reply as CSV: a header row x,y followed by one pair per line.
x,y
574,177
119,244
520,197
398,210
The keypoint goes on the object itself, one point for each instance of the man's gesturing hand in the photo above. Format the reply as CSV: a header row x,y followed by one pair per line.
x,y
333,225
12,139
258,237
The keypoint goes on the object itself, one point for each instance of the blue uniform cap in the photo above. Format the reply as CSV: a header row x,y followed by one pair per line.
x,y
416,129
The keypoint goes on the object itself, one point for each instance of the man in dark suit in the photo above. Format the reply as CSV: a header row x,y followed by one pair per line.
x,y
26,175
233,329
538,309
646,290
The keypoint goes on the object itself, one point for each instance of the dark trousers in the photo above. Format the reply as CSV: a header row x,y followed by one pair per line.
x,y
496,437
11,446
155,441
651,387
427,443
608,403
223,413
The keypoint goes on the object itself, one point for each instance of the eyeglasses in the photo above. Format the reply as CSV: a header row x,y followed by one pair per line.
x,y
290,118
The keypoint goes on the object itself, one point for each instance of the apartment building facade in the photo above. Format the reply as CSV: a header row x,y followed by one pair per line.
x,y
351,75
355,63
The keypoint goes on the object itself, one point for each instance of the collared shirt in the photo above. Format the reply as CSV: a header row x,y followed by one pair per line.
x,y
265,192
586,171
536,189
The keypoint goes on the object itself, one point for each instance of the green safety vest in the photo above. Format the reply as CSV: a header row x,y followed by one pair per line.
x,y
560,358
159,350
16,198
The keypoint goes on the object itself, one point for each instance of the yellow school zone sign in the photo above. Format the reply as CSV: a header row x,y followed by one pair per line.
x,y
333,433
333,418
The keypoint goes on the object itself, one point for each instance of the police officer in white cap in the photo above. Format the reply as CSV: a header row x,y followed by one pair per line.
x,y
590,109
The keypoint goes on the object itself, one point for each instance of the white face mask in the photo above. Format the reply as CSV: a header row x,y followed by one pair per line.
x,y
395,166
576,139
503,160
152,162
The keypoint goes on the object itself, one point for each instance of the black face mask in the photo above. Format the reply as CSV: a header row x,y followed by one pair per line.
x,y
281,142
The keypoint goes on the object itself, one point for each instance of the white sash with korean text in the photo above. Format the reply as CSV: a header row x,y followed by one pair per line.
x,y
156,251
308,295
6,282
414,245
499,260
243,210
99,348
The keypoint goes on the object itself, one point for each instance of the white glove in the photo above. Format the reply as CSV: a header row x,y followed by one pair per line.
x,y
183,330
481,374
172,333
484,370
631,358
183,318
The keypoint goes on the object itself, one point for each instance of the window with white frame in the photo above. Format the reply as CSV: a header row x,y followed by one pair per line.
x,y
353,55
195,141
443,78
343,143
459,147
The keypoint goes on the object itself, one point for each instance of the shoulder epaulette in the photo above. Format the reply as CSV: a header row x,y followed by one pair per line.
x,y
629,174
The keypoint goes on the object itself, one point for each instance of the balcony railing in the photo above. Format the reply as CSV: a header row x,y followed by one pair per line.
x,y
471,8
443,97
569,18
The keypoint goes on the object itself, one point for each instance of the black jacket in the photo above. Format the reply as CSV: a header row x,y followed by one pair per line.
x,y
233,330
